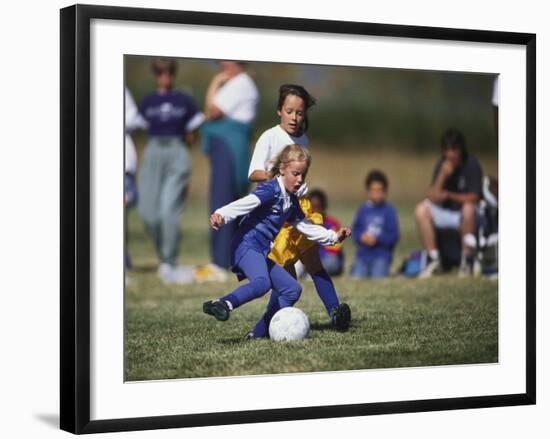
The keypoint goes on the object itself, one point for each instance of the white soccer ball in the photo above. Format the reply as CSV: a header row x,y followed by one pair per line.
x,y
289,324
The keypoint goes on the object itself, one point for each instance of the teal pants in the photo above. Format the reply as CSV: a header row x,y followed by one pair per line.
x,y
162,186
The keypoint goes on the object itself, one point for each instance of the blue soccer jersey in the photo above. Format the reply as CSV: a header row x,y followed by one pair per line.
x,y
258,228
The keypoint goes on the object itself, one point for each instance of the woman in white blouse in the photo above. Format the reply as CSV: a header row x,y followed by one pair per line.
x,y
230,108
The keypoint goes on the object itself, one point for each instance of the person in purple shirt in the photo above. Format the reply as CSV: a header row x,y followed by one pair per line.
x,y
375,230
172,118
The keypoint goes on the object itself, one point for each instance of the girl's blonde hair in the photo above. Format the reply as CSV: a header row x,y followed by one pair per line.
x,y
290,153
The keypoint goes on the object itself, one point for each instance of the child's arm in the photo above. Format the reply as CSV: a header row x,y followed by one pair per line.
x,y
264,193
333,225
233,210
319,234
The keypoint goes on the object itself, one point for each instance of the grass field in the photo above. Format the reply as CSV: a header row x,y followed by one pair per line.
x,y
397,322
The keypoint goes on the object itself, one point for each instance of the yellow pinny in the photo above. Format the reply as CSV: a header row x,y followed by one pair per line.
x,y
289,243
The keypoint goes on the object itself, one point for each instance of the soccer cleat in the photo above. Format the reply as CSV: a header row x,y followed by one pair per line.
x,y
216,308
341,317
432,266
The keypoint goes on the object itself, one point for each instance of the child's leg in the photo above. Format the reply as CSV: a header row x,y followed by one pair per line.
x,y
360,269
321,279
380,267
262,326
254,266
286,292
287,288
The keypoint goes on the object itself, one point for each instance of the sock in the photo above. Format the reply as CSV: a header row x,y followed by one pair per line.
x,y
231,301
433,254
325,290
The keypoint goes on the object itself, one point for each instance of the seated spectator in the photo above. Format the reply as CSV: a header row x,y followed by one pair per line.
x,y
332,256
375,230
451,203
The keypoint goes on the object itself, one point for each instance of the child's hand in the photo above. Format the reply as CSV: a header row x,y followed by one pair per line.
x,y
343,233
216,221
368,239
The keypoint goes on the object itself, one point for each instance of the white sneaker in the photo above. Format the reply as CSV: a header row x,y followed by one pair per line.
x,y
165,273
432,266
183,275
179,275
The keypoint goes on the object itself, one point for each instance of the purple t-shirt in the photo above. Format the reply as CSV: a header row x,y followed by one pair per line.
x,y
168,114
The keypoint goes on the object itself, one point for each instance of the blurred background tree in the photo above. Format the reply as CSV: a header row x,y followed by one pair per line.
x,y
358,107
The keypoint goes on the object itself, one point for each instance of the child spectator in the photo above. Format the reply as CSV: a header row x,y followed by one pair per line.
x,y
375,230
172,118
332,256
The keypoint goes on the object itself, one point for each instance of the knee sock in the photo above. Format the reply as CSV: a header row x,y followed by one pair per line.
x,y
245,293
325,290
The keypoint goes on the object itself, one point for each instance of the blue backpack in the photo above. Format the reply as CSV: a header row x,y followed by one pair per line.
x,y
414,263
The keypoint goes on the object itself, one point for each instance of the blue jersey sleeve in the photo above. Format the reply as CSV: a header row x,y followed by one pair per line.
x,y
266,192
390,232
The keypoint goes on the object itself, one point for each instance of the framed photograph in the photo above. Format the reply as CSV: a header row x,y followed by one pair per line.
x,y
276,218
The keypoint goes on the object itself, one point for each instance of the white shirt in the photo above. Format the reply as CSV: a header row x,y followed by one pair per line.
x,y
271,143
238,98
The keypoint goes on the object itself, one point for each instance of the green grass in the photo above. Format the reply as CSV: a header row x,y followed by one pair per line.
x,y
397,322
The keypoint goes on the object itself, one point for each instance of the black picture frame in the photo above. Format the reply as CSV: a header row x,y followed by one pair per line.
x,y
76,210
